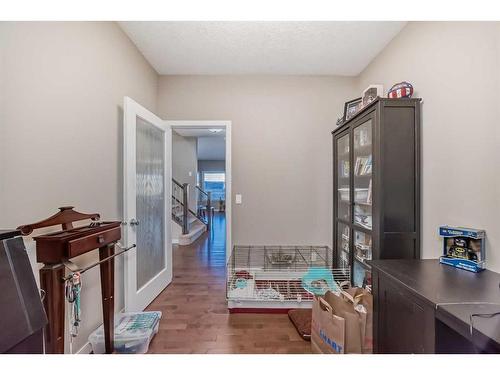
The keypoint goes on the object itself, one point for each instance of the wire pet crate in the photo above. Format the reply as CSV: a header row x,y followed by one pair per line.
x,y
280,277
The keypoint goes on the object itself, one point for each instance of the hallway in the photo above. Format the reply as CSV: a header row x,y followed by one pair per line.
x,y
195,316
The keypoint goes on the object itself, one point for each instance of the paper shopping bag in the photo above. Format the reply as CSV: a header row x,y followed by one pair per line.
x,y
327,329
354,321
362,300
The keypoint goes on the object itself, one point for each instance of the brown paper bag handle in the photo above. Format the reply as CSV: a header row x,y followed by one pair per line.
x,y
355,300
324,305
345,284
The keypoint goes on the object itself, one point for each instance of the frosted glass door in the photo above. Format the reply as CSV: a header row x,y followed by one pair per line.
x,y
147,176
150,201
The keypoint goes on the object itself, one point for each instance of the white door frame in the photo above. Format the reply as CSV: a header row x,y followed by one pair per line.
x,y
211,125
137,300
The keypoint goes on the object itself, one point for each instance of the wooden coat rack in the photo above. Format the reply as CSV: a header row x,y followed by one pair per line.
x,y
54,249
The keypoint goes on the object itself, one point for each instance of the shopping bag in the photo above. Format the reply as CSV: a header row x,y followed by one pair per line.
x,y
327,329
342,305
362,297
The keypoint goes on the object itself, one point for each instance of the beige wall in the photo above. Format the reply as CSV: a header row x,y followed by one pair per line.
x,y
454,67
281,147
62,88
185,164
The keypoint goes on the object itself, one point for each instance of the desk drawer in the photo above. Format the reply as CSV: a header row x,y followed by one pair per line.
x,y
93,241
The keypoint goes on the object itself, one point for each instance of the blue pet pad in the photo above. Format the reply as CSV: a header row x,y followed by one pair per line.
x,y
319,274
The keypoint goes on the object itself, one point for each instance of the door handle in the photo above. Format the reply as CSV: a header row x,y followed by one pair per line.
x,y
134,222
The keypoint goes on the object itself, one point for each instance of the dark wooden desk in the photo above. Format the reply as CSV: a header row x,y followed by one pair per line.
x,y
421,306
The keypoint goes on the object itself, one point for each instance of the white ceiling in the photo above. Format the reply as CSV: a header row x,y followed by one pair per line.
x,y
211,148
330,47
197,132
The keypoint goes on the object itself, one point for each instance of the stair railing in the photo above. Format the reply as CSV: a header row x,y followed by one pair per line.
x,y
205,209
185,208
181,210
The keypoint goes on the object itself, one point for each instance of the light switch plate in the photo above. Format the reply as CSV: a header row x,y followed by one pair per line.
x,y
238,198
190,174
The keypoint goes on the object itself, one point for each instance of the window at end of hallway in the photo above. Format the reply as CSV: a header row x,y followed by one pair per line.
x,y
215,183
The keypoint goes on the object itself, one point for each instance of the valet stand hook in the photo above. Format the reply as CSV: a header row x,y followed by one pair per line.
x,y
73,268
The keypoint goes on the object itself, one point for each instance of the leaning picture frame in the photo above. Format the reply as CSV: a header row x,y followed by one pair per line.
x,y
351,108
371,93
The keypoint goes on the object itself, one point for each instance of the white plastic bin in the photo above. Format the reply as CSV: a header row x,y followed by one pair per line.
x,y
133,333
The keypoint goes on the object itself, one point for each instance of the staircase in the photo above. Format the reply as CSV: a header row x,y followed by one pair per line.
x,y
193,224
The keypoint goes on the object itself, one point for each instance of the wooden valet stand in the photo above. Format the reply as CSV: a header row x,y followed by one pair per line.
x,y
54,249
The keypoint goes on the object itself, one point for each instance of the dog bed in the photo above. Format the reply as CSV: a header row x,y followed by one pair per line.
x,y
301,319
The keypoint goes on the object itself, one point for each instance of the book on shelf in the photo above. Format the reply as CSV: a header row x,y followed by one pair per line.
x,y
367,167
363,241
363,165
360,162
364,221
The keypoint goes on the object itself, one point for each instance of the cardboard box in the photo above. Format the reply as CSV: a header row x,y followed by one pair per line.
x,y
463,248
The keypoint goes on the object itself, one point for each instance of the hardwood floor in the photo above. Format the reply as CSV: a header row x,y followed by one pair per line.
x,y
195,316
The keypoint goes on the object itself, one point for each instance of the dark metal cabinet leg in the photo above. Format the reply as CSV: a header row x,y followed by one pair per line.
x,y
51,281
108,301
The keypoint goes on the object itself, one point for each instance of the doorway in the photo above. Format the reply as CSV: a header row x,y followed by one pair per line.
x,y
210,173
147,188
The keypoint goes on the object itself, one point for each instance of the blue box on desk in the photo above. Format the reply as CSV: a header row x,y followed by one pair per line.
x,y
463,248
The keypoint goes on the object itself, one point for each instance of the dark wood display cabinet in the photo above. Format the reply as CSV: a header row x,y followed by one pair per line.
x,y
376,179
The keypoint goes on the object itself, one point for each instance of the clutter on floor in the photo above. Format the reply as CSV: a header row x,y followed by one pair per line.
x,y
133,333
342,322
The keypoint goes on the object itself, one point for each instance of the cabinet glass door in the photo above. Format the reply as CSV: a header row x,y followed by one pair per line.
x,y
362,158
362,246
362,275
362,249
343,245
343,178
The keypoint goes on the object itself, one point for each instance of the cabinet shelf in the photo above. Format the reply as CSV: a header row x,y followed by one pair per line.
x,y
364,145
362,227
363,203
